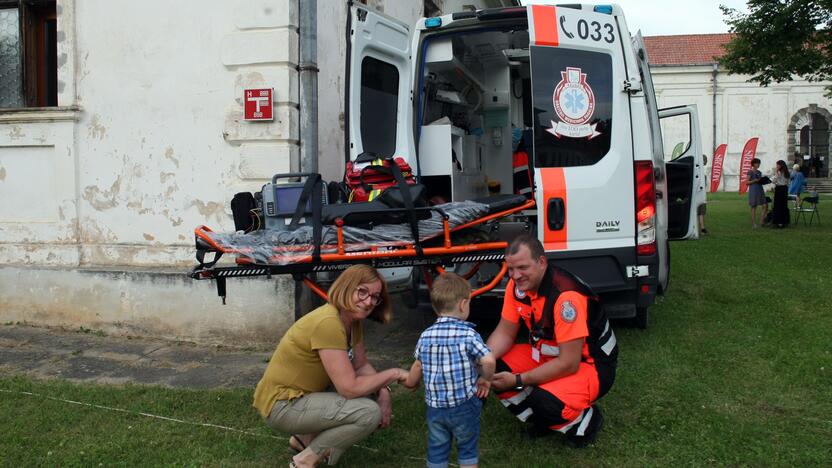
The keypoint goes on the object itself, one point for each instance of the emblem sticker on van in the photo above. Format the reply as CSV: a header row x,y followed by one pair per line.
x,y
574,103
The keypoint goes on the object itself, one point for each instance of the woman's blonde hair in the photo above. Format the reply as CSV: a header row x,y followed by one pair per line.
x,y
341,291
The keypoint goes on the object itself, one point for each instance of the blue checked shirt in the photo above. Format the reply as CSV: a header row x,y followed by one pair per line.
x,y
449,350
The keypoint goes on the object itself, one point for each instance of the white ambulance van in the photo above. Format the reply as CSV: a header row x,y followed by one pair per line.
x,y
555,101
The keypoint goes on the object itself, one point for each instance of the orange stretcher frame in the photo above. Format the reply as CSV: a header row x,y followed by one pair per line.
x,y
402,251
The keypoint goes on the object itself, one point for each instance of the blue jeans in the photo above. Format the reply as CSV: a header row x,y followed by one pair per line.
x,y
461,423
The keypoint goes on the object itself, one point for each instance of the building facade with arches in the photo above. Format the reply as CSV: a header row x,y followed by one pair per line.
x,y
792,119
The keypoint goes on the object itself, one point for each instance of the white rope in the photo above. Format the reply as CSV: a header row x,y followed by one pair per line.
x,y
139,413
166,418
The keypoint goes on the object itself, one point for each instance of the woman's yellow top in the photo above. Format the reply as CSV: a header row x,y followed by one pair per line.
x,y
295,367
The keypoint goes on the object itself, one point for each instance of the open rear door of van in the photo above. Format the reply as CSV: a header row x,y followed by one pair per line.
x,y
685,170
583,152
378,93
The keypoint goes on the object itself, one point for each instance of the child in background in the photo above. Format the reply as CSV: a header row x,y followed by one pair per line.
x,y
448,354
756,196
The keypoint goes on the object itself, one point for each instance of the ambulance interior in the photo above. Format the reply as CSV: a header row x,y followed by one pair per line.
x,y
475,95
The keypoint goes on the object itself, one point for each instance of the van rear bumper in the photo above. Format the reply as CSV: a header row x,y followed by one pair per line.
x,y
603,270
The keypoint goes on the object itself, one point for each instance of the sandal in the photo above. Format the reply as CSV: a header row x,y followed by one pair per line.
x,y
293,447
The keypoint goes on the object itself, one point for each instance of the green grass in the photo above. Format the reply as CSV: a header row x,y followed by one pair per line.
x,y
735,369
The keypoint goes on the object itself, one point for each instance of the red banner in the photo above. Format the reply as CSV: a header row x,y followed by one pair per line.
x,y
716,166
748,153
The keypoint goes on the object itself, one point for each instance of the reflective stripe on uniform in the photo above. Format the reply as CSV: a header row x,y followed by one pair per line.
x,y
525,414
568,426
517,399
610,344
549,350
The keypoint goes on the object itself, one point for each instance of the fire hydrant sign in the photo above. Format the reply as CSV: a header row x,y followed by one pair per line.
x,y
258,104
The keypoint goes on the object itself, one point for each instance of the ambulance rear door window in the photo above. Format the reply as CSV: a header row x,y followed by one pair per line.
x,y
379,106
572,99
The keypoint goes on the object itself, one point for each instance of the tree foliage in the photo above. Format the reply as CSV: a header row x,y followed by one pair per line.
x,y
778,39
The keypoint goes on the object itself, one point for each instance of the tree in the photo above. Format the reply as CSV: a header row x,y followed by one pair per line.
x,y
778,39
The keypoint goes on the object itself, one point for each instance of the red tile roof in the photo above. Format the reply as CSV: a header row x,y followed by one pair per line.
x,y
685,49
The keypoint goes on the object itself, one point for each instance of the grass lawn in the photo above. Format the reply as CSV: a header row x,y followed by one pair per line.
x,y
735,369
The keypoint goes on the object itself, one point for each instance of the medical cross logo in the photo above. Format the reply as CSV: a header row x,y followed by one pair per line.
x,y
574,103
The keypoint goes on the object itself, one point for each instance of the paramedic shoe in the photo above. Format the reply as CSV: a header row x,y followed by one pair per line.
x,y
537,432
591,432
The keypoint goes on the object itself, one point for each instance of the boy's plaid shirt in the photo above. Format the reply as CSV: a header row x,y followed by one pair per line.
x,y
449,350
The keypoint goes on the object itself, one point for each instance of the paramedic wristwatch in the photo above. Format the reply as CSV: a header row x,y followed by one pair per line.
x,y
518,382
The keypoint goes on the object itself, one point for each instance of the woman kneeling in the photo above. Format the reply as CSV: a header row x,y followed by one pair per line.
x,y
322,350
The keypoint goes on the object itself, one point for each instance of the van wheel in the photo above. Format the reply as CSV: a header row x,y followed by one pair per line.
x,y
642,317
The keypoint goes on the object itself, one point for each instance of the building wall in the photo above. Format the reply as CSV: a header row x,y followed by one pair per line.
x,y
743,110
101,195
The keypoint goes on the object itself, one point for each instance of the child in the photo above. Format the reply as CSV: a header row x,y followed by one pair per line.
x,y
756,196
447,355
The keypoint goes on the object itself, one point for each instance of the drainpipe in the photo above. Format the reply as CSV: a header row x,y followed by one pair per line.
x,y
714,72
308,75
713,105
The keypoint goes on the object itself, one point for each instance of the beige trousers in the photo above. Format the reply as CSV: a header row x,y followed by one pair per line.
x,y
339,422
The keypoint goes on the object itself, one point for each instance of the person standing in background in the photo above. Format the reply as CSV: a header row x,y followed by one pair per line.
x,y
703,208
780,207
756,197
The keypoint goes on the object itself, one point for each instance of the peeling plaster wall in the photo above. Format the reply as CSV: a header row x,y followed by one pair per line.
x,y
148,142
162,141
142,303
743,110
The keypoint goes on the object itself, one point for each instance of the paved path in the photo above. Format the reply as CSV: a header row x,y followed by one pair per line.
x,y
89,357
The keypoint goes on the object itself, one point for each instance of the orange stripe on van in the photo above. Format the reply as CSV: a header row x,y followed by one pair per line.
x,y
554,186
545,25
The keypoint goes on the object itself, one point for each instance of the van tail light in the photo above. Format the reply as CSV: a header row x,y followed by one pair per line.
x,y
645,208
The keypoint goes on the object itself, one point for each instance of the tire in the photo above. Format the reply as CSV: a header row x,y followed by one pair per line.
x,y
642,318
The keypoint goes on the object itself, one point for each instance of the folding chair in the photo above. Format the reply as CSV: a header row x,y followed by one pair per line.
x,y
807,206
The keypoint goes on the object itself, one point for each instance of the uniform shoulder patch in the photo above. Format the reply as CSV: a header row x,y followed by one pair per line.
x,y
518,293
568,312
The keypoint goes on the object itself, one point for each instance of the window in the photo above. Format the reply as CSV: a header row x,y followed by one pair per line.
x,y
572,98
379,106
675,136
28,53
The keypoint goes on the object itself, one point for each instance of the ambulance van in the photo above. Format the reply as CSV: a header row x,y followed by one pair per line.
x,y
552,101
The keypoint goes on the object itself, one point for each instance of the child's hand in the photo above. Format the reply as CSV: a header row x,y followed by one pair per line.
x,y
483,386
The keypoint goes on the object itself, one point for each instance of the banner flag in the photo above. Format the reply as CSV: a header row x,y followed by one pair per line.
x,y
716,166
748,153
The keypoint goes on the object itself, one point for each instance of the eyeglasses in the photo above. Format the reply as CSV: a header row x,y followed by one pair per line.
x,y
364,293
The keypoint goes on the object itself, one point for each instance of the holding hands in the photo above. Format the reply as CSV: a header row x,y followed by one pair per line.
x,y
483,386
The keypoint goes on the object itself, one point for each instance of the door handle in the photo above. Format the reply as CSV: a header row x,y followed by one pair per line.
x,y
556,214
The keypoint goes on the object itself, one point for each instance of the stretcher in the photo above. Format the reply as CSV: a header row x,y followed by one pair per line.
x,y
433,239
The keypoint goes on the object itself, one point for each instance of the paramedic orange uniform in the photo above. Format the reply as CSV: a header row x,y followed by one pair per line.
x,y
560,404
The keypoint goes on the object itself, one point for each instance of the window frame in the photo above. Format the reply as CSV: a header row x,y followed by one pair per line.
x,y
38,59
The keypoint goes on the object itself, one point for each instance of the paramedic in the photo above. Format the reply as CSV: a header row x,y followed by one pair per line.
x,y
553,382
319,385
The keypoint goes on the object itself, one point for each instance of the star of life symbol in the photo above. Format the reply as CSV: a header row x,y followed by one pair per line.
x,y
568,312
519,293
574,103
